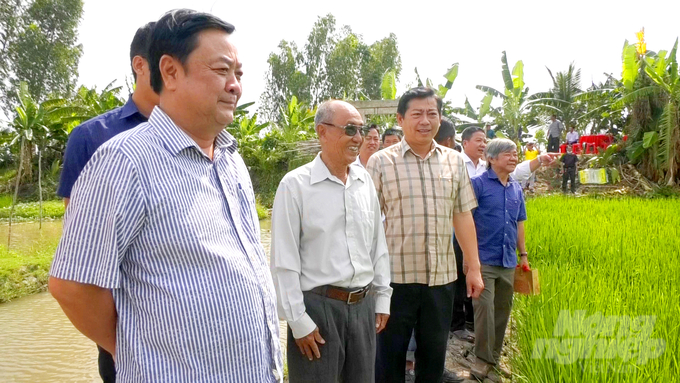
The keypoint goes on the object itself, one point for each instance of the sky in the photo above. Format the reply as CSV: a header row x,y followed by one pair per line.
x,y
432,35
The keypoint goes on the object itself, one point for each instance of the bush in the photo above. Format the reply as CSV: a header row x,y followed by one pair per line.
x,y
31,210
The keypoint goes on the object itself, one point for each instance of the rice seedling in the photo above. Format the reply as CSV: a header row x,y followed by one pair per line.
x,y
610,292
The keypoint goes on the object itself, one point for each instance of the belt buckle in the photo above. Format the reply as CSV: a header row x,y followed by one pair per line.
x,y
349,296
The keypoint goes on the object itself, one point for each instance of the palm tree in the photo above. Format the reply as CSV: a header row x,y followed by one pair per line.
x,y
566,87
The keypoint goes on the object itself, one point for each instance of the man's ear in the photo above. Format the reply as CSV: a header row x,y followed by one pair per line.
x,y
170,69
321,131
138,65
400,119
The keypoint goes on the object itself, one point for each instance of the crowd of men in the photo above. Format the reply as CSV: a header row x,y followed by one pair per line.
x,y
161,263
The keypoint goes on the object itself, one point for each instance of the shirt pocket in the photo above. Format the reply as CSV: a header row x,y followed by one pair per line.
x,y
446,185
368,226
512,207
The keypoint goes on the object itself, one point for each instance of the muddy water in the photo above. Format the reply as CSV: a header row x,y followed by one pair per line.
x,y
39,344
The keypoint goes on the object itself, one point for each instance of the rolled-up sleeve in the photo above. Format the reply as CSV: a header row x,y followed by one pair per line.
x,y
286,264
522,172
106,213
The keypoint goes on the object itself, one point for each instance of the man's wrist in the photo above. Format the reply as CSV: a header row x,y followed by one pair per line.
x,y
524,254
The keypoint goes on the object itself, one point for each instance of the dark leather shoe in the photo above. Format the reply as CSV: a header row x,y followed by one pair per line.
x,y
451,377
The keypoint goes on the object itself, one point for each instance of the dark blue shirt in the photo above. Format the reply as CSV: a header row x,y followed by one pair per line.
x,y
500,208
90,135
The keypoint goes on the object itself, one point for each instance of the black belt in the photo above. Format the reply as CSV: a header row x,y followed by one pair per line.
x,y
346,295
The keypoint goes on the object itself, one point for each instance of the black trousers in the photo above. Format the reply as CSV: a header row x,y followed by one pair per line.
x,y
427,309
107,370
553,144
462,305
569,174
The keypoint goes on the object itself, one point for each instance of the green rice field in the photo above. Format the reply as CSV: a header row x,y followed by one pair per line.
x,y
609,308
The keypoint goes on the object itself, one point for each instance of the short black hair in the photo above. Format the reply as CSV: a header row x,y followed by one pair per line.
x,y
392,132
140,44
176,35
373,126
420,93
446,130
469,131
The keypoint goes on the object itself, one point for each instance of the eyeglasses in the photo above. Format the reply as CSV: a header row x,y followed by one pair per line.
x,y
350,129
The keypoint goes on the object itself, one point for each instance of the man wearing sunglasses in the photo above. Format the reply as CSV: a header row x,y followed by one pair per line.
x,y
328,253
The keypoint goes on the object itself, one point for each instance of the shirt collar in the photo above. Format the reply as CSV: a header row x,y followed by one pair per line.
x,y
129,109
405,147
320,172
492,175
468,159
176,140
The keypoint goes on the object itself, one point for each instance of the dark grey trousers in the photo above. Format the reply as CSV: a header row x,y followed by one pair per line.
x,y
492,312
349,352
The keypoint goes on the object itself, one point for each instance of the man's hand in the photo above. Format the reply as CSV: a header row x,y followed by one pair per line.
x,y
524,263
308,344
548,159
474,281
381,322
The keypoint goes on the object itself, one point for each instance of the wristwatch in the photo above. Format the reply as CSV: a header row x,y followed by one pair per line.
x,y
523,254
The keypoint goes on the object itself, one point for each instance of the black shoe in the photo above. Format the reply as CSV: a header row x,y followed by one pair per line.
x,y
451,377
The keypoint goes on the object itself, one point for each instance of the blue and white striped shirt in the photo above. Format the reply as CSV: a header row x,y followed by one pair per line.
x,y
177,239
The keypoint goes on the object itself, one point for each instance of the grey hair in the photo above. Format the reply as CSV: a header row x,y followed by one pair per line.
x,y
324,113
497,146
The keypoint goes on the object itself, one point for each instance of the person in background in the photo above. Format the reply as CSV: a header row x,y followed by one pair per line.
x,y
530,154
328,252
572,136
474,144
370,145
446,136
160,261
499,222
391,136
423,188
90,135
554,133
490,133
570,163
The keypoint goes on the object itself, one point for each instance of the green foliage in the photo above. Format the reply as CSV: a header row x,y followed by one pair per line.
x,y
30,210
618,265
332,64
388,88
39,47
25,265
519,110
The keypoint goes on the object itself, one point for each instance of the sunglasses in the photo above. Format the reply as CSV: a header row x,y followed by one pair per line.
x,y
351,129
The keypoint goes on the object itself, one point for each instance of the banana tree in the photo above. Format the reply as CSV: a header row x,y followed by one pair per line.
x,y
484,110
442,89
663,85
518,107
31,127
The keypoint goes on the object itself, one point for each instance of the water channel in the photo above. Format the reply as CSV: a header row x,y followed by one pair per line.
x,y
39,344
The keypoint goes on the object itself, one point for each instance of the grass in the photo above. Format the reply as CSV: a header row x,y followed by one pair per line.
x,y
609,278
24,267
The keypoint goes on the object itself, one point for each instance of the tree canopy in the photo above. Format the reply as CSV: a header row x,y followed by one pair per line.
x,y
38,45
334,63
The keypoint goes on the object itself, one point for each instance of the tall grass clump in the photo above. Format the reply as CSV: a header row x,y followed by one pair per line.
x,y
609,308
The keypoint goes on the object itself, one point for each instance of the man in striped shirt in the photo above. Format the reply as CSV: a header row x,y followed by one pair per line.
x,y
423,188
87,137
160,262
